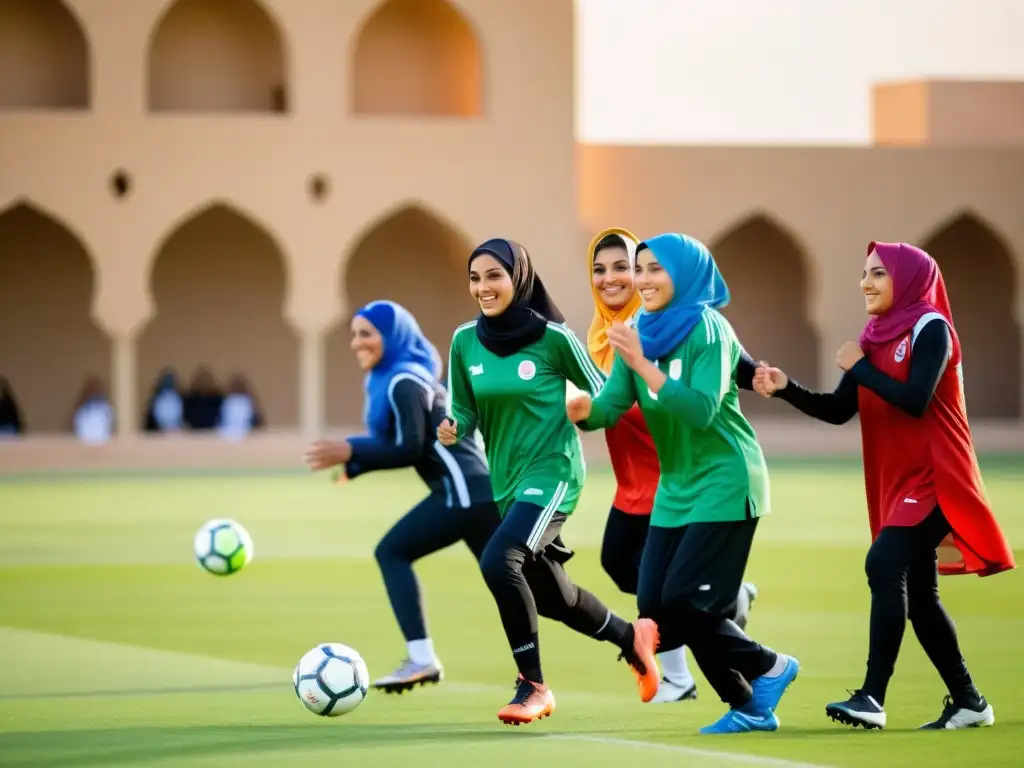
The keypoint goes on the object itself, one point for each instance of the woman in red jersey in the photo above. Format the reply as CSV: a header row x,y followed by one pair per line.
x,y
924,490
611,259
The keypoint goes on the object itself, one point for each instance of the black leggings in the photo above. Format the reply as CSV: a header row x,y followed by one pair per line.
x,y
428,527
622,547
902,570
689,578
524,567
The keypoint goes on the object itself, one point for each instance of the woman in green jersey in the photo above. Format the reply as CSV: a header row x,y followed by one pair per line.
x,y
507,373
677,365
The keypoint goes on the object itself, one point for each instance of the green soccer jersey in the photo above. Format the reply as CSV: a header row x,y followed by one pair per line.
x,y
711,464
518,404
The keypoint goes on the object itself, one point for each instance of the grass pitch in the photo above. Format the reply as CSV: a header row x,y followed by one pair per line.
x,y
118,650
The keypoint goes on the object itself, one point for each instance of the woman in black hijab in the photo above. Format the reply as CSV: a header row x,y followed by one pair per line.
x,y
507,373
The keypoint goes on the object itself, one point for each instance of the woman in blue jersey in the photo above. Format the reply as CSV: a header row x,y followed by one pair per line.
x,y
404,403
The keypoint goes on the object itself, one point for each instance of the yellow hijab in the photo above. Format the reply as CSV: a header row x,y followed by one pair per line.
x,y
597,336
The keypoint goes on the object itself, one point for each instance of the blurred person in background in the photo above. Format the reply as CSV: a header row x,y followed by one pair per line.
x,y
93,420
239,413
166,409
11,423
203,401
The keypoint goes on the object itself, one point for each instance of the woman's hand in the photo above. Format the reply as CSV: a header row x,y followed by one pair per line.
x,y
448,432
768,380
849,355
325,454
626,343
578,408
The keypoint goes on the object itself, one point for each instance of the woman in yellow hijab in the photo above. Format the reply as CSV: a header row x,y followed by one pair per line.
x,y
611,260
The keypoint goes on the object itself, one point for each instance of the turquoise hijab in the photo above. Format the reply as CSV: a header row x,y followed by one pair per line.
x,y
697,283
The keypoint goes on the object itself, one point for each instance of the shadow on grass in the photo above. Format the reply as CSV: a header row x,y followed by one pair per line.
x,y
122,746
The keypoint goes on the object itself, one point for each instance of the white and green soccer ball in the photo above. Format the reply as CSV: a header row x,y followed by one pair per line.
x,y
222,547
331,680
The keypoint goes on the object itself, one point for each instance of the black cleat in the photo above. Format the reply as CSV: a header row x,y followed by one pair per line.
x,y
954,717
859,710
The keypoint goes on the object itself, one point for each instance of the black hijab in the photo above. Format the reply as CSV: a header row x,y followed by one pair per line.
x,y
526,318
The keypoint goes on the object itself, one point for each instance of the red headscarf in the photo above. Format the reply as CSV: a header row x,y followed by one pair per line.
x,y
917,289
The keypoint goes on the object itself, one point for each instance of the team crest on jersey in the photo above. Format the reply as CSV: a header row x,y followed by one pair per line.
x,y
901,351
527,370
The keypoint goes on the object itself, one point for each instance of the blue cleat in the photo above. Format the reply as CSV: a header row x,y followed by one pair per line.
x,y
744,720
768,691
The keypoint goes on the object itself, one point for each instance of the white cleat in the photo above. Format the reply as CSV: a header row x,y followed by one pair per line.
x,y
669,692
954,718
409,675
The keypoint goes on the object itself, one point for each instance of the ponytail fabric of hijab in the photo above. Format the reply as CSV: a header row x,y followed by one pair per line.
x,y
917,289
406,350
526,319
600,348
697,286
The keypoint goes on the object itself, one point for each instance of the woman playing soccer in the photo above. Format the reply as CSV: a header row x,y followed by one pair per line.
x,y
507,375
678,366
921,476
404,403
610,261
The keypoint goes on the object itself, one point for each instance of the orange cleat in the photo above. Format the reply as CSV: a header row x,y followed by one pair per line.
x,y
641,658
532,701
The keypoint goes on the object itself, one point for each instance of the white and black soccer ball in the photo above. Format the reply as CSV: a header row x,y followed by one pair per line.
x,y
331,680
222,547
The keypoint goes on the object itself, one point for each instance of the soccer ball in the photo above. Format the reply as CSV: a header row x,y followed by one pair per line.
x,y
223,547
331,680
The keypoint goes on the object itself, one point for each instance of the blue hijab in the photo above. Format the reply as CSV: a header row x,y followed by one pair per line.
x,y
697,283
406,349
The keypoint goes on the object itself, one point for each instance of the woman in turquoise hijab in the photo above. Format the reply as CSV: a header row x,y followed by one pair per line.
x,y
678,365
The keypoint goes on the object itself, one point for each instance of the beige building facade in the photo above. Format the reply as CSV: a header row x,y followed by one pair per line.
x,y
221,182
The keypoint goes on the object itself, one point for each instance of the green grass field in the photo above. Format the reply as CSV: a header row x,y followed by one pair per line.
x,y
117,650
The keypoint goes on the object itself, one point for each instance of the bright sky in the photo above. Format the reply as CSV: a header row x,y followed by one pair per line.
x,y
774,71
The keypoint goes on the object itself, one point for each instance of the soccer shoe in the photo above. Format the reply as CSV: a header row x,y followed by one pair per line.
x,y
745,601
953,717
858,710
410,674
669,692
743,721
641,658
532,701
768,691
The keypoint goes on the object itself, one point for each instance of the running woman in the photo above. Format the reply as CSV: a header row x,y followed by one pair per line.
x,y
678,364
404,402
507,375
923,485
611,260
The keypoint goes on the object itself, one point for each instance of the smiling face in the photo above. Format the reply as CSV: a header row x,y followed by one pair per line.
x,y
613,279
876,282
652,282
490,285
367,343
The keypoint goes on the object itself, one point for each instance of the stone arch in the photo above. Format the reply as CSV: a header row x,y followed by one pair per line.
x,y
981,279
216,56
411,256
769,277
417,57
50,343
219,283
44,56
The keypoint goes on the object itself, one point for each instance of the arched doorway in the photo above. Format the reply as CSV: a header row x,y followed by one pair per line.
x,y
417,57
981,280
216,56
219,283
44,56
412,257
767,274
49,344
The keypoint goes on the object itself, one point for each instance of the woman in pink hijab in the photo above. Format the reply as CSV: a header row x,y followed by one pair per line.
x,y
924,491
